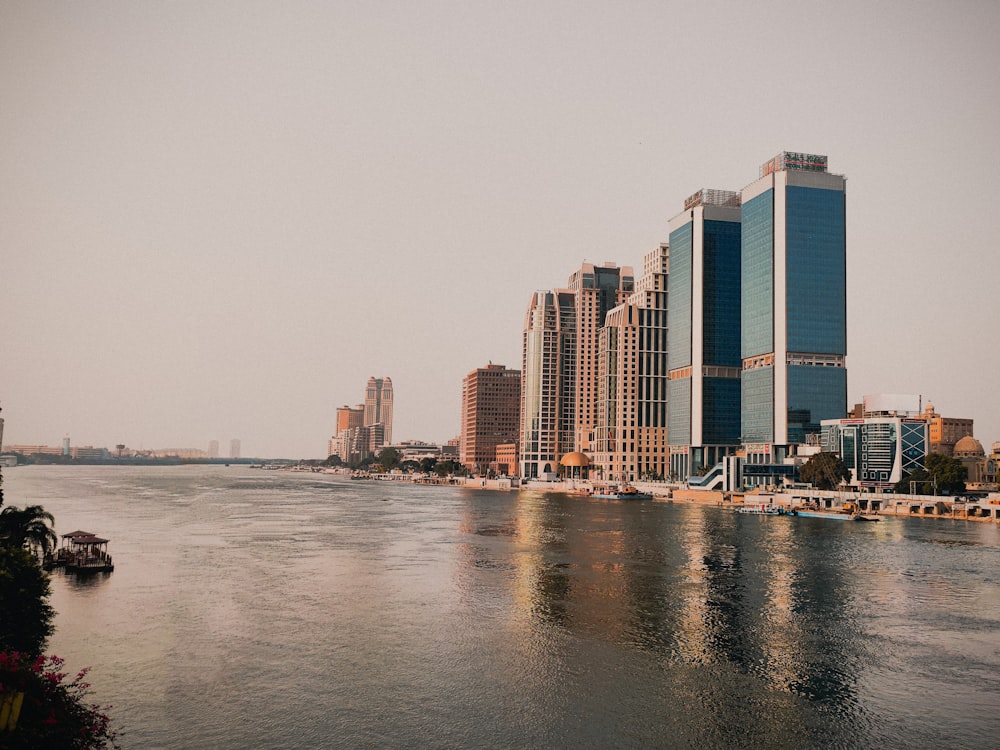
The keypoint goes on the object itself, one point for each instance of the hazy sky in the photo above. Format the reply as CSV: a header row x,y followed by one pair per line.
x,y
218,219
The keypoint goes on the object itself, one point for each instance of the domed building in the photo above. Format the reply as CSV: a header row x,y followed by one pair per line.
x,y
969,447
577,465
970,452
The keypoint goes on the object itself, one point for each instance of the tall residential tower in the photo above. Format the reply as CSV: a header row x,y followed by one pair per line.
x,y
596,290
378,407
630,435
548,383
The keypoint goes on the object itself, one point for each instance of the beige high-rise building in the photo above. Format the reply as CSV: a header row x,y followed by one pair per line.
x,y
630,433
378,406
364,430
491,411
597,289
548,383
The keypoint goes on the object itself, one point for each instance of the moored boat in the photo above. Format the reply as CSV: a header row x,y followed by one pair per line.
x,y
625,492
82,552
837,516
765,510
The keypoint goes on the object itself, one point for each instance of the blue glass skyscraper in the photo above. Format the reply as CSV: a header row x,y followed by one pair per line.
x,y
703,342
793,304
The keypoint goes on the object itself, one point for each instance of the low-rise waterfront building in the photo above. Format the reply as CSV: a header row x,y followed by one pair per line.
x,y
879,451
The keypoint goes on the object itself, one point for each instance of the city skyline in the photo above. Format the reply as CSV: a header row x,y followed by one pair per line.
x,y
189,191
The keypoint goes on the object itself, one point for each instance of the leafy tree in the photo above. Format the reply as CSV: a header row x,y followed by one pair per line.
x,y
916,482
29,526
334,460
389,458
942,475
427,464
824,471
25,614
444,468
949,474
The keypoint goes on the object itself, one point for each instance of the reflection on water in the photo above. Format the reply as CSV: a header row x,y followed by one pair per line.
x,y
81,580
301,611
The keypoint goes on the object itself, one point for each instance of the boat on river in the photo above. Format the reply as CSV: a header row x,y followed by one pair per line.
x,y
836,516
82,552
765,510
625,492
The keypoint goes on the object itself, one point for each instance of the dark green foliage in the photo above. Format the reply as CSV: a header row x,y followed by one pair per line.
x,y
427,464
30,526
389,458
824,471
444,468
943,475
25,615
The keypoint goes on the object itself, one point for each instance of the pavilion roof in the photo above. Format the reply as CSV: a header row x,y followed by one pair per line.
x,y
89,539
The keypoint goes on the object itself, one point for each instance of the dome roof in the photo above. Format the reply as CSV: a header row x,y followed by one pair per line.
x,y
574,459
969,446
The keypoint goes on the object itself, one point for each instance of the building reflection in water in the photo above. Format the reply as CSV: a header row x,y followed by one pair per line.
x,y
690,585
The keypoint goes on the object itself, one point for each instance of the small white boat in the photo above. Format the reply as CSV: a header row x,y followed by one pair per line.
x,y
626,492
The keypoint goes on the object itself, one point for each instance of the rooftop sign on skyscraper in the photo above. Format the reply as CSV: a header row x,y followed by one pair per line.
x,y
794,160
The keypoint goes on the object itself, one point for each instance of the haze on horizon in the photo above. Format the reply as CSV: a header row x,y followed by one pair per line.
x,y
218,219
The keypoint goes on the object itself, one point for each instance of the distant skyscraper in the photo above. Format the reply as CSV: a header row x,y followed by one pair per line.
x,y
213,448
491,411
348,417
630,434
596,290
548,382
234,448
704,331
378,406
794,304
347,441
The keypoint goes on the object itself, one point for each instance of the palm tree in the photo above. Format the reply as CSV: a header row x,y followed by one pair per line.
x,y
30,526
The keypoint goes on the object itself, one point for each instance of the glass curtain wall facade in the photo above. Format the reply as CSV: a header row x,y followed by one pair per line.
x,y
704,339
794,304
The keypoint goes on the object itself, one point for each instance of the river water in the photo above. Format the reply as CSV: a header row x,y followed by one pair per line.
x,y
260,609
